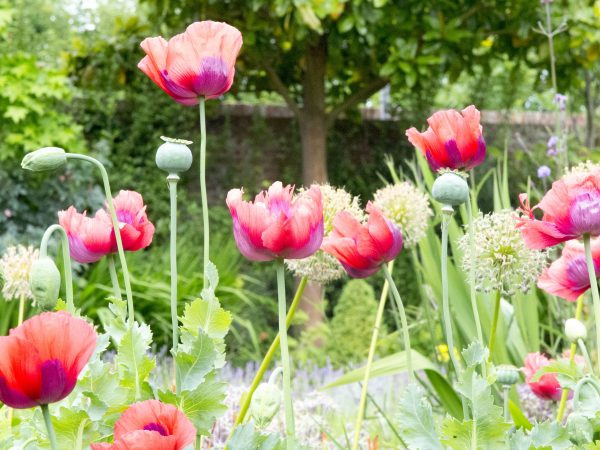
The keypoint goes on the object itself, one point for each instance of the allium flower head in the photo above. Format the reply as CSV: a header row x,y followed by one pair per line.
x,y
544,172
15,266
552,146
502,260
323,267
407,207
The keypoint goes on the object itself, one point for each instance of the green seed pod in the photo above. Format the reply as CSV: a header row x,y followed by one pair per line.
x,y
575,330
507,375
45,159
44,280
174,155
265,404
580,428
450,189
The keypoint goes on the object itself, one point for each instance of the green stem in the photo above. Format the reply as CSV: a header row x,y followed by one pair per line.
x,y
472,272
585,354
285,356
494,326
117,230
203,193
550,36
594,284
114,278
64,239
21,310
398,299
266,362
49,427
505,390
365,384
424,297
172,180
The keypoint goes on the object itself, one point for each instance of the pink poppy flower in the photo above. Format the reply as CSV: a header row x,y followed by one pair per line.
x,y
363,248
567,277
199,62
571,209
136,230
547,387
150,425
453,140
89,238
277,224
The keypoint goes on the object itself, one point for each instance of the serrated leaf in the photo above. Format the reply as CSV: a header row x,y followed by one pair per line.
x,y
211,275
548,434
132,358
246,438
198,316
73,428
559,367
416,423
16,113
475,354
195,358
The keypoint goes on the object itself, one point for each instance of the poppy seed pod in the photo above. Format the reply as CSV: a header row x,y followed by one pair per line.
x,y
575,330
450,189
174,156
44,280
45,159
265,404
507,375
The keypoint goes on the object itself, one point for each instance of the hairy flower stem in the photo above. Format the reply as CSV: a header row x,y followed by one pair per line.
x,y
115,223
472,273
492,343
398,299
114,278
205,224
266,362
64,240
285,357
365,384
565,391
49,427
172,180
594,285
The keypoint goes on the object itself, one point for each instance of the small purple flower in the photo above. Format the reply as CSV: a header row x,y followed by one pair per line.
x,y
552,146
543,172
561,101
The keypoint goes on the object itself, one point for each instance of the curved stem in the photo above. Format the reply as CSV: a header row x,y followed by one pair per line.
x,y
580,384
49,427
66,260
365,384
203,193
173,179
585,354
114,278
472,273
285,356
117,230
494,326
405,333
594,285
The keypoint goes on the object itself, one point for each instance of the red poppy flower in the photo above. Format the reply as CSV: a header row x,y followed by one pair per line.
x,y
42,358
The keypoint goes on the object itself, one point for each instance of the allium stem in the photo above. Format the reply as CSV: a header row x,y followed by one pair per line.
x,y
114,278
594,286
266,362
472,272
117,230
492,343
365,384
203,193
21,310
49,427
565,391
172,180
398,299
428,312
64,240
285,357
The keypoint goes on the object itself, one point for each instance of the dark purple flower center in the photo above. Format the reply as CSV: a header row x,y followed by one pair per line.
x,y
577,273
125,217
156,427
585,213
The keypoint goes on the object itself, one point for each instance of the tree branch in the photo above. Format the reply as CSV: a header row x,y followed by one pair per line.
x,y
282,90
354,99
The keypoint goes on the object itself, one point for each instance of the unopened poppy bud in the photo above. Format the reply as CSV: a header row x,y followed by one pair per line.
x,y
44,280
580,429
44,159
450,189
174,155
575,330
265,404
507,375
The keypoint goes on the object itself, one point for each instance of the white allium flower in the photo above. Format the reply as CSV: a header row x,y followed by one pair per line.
x,y
322,267
584,167
407,207
502,261
15,266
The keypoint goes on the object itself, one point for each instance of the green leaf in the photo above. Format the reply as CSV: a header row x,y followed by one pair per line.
x,y
446,394
196,317
475,354
195,358
246,438
73,428
519,419
560,367
132,358
16,113
416,422
549,435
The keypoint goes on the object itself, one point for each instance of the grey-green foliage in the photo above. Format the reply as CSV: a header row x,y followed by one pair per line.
x,y
352,323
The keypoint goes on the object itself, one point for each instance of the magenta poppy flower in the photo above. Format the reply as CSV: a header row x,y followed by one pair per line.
x,y
278,224
547,387
89,238
571,209
197,63
567,277
453,140
363,248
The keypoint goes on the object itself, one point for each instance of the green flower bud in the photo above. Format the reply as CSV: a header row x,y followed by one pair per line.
x,y
265,404
44,159
575,330
174,155
44,280
580,428
507,374
450,189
